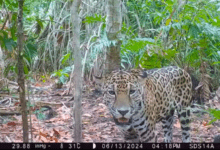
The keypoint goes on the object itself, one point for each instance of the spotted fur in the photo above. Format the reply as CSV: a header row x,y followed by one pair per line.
x,y
138,100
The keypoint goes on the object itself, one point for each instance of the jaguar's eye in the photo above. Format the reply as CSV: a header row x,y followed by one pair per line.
x,y
112,92
132,91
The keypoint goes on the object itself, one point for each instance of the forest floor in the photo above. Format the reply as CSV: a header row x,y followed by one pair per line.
x,y
97,123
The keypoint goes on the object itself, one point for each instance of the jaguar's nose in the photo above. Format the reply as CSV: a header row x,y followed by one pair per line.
x,y
123,112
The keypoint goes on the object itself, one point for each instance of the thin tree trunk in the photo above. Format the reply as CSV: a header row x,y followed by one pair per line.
x,y
1,63
77,71
113,26
21,81
205,81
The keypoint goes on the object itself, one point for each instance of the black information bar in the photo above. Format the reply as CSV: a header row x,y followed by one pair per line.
x,y
108,146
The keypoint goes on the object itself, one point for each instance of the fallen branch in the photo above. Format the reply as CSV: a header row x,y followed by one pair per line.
x,y
5,113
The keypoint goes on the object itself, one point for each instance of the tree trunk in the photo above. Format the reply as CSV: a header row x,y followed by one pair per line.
x,y
21,81
1,63
205,81
77,71
113,26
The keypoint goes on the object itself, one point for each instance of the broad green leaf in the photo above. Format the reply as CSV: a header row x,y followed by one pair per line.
x,y
169,2
217,62
168,22
9,43
59,74
41,116
56,73
7,69
62,79
92,19
40,23
213,120
65,57
215,113
168,54
25,69
66,74
13,29
67,69
51,18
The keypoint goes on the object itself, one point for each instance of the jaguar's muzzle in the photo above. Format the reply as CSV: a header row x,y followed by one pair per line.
x,y
122,121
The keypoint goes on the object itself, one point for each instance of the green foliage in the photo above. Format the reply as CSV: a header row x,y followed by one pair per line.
x,y
30,51
132,50
43,77
63,74
39,113
65,58
185,34
215,113
11,4
143,51
8,39
94,19
154,33
9,68
40,23
9,43
97,47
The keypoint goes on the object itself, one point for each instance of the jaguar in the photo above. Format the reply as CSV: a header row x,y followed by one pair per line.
x,y
139,99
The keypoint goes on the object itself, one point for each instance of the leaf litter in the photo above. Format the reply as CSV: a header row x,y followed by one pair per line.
x,y
97,124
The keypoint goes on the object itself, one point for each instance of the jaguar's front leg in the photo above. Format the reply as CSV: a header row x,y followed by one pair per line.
x,y
130,135
145,130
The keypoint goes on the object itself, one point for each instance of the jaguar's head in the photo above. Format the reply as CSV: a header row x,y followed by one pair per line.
x,y
123,94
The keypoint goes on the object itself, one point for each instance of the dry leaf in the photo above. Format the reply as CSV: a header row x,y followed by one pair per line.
x,y
55,139
103,105
56,133
17,104
44,139
11,124
204,123
86,122
65,116
38,84
42,134
34,118
87,115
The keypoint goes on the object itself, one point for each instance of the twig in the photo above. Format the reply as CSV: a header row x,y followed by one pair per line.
x,y
28,87
5,22
7,139
1,101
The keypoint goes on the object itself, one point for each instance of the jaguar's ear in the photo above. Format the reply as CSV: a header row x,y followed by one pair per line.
x,y
142,77
98,82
